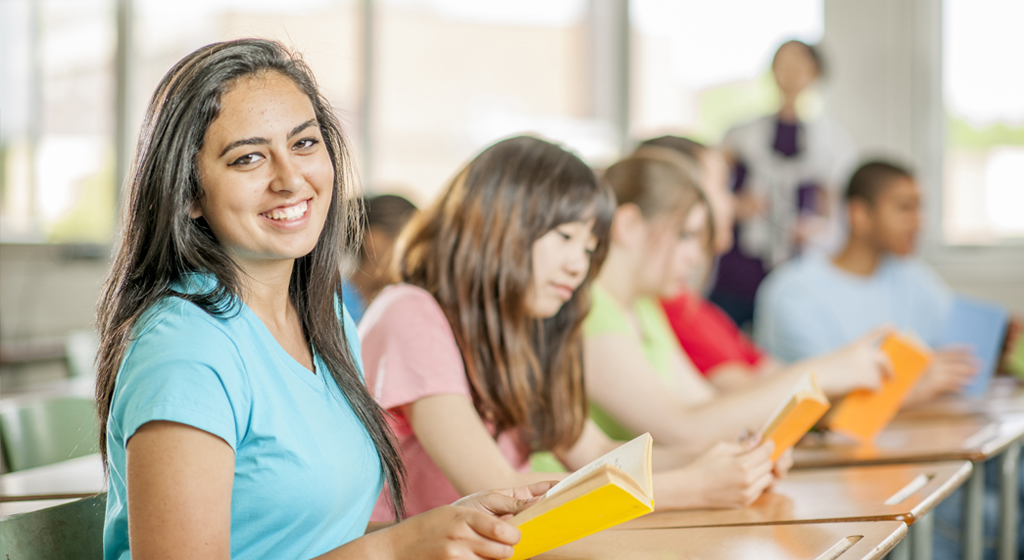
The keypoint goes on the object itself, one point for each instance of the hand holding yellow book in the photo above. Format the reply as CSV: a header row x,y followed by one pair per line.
x,y
610,490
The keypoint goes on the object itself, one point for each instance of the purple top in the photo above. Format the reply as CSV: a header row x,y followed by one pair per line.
x,y
740,274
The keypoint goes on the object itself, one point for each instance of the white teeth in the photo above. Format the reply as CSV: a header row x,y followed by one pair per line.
x,y
290,213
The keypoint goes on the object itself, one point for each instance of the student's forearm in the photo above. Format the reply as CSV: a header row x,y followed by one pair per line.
x,y
732,413
499,480
678,489
374,526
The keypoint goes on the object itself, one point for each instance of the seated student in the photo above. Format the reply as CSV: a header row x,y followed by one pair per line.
x,y
816,304
477,354
659,239
235,422
385,215
719,350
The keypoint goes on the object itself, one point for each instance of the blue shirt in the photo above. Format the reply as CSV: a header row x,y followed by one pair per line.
x,y
808,307
353,300
307,474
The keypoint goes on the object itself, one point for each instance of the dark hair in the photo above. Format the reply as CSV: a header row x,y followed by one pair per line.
x,y
472,251
159,243
690,148
872,178
811,50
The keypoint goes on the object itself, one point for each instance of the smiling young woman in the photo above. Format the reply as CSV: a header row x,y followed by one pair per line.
x,y
235,419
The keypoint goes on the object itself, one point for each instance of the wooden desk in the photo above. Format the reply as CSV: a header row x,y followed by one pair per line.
x,y
970,438
1005,396
871,493
859,540
31,489
976,438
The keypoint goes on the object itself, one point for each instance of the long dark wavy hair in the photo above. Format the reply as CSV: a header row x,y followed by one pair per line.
x,y
472,251
159,243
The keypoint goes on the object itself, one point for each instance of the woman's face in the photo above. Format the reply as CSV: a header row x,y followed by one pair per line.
x,y
674,251
266,176
561,261
794,69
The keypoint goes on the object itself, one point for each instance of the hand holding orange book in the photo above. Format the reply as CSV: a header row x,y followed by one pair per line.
x,y
864,413
796,416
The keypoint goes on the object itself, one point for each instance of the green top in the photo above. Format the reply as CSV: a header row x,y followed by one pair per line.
x,y
657,340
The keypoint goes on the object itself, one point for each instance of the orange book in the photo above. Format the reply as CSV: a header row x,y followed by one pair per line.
x,y
796,416
865,413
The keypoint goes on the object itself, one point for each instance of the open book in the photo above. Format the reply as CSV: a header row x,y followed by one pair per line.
x,y
864,413
610,490
796,416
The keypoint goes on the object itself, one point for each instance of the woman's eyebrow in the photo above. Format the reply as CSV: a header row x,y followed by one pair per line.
x,y
263,141
302,127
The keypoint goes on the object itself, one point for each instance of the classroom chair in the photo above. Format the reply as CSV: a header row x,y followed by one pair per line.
x,y
72,531
46,431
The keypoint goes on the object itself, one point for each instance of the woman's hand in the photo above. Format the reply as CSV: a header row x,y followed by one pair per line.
x,y
455,531
783,464
950,371
508,502
859,365
732,475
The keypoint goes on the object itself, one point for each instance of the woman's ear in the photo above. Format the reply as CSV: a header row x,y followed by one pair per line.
x,y
196,211
628,226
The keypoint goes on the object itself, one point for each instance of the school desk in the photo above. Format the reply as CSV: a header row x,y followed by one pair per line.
x,y
39,487
856,540
866,493
976,438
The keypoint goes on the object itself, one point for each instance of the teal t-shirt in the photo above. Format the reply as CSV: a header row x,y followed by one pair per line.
x,y
307,474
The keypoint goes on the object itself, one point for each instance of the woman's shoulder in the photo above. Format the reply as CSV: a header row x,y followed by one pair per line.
x,y
177,317
401,303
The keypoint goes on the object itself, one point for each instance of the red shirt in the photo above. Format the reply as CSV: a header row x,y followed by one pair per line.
x,y
707,334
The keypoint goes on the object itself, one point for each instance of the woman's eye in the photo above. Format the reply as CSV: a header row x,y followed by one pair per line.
x,y
306,143
564,235
246,159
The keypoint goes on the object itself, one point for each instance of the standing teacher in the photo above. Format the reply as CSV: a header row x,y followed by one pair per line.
x,y
786,172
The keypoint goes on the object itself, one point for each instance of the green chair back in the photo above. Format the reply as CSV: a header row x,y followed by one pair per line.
x,y
43,432
72,531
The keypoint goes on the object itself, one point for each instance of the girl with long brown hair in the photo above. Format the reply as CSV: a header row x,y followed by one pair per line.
x,y
477,354
235,419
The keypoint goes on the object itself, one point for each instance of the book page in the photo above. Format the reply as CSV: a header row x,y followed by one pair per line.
x,y
631,457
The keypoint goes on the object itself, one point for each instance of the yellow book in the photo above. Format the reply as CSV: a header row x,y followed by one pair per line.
x,y
611,490
796,416
863,413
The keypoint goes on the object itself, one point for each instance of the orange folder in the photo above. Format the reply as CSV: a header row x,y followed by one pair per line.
x,y
805,406
865,413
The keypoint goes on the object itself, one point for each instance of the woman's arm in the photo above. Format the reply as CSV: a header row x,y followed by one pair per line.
x,y
727,475
179,492
621,380
179,486
452,433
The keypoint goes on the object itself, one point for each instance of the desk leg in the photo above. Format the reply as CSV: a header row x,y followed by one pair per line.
x,y
901,551
1009,498
921,533
974,502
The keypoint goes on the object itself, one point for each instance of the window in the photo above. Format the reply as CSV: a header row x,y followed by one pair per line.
x,y
701,67
983,191
453,76
56,142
